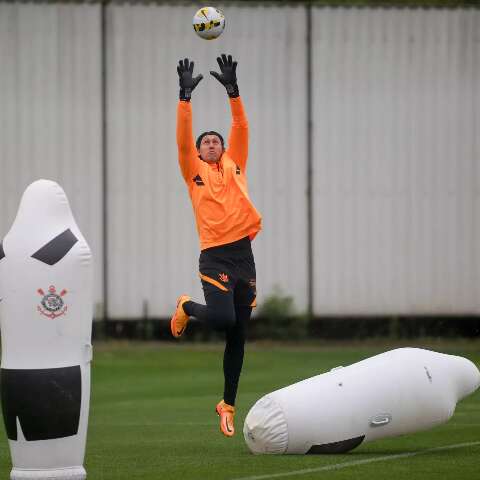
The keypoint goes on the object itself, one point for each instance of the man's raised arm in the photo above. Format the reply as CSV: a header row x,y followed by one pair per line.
x,y
187,153
238,138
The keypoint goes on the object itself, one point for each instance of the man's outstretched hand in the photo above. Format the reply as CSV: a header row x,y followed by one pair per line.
x,y
228,75
186,80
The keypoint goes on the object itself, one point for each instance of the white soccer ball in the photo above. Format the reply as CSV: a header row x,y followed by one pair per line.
x,y
209,23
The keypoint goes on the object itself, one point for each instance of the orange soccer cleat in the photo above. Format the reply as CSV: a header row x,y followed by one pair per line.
x,y
226,413
179,321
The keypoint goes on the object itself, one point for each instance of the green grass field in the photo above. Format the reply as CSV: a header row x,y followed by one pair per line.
x,y
152,417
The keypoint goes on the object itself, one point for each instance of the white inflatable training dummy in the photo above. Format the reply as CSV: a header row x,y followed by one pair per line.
x,y
46,322
397,392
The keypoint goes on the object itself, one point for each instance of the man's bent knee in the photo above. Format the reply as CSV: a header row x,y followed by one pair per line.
x,y
221,319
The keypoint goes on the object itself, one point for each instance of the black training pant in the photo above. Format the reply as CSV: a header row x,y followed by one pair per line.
x,y
229,286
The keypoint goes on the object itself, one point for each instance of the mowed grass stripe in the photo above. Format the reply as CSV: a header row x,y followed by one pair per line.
x,y
339,466
152,417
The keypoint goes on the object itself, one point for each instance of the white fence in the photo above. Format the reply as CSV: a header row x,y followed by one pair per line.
x,y
396,103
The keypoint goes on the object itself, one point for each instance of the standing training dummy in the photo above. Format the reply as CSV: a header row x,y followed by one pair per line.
x,y
46,323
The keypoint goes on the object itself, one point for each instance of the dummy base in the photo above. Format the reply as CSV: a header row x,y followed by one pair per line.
x,y
72,473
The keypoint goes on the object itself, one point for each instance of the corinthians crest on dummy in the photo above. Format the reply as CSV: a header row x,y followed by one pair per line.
x,y
52,304
46,322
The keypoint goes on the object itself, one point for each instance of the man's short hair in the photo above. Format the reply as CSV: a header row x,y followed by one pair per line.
x,y
211,132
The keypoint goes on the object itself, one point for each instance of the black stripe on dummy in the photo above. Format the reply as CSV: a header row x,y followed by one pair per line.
x,y
46,401
56,249
337,447
2,253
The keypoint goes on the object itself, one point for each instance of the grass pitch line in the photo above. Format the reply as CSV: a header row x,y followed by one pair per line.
x,y
339,466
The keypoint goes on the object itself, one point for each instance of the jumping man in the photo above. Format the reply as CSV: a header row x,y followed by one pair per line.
x,y
226,221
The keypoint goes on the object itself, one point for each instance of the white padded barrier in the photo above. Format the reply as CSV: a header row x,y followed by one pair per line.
x,y
401,391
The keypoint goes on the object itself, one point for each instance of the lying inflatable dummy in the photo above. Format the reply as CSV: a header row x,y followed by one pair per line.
x,y
397,392
46,321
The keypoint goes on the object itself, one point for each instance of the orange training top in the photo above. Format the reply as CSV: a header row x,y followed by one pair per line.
x,y
223,210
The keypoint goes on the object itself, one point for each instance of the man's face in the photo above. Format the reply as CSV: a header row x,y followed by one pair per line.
x,y
210,149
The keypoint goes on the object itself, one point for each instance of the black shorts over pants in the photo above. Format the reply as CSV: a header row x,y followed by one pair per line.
x,y
228,277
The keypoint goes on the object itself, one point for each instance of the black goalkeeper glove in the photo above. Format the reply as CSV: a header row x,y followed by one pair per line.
x,y
186,80
228,75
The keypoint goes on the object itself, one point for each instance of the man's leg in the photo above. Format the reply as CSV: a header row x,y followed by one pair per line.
x,y
244,298
232,367
234,352
219,312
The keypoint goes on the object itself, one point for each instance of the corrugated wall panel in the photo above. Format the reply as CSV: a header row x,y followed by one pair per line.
x,y
396,161
153,242
50,110
396,143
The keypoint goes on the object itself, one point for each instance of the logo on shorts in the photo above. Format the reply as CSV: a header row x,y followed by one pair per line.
x,y
52,304
223,277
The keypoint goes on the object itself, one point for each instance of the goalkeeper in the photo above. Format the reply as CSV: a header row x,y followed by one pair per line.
x,y
226,222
